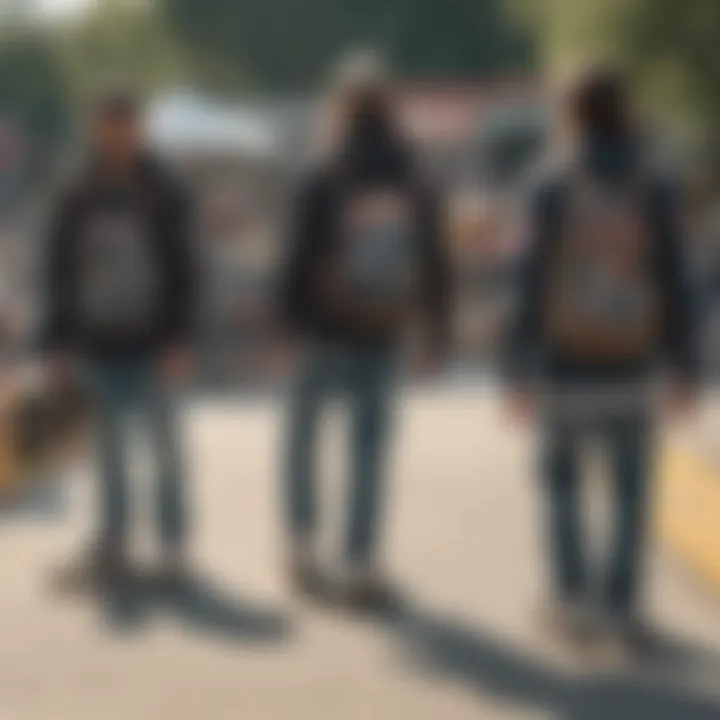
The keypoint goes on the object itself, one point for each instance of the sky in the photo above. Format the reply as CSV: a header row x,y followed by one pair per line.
x,y
62,7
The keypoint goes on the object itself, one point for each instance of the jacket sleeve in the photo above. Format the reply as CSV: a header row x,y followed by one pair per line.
x,y
437,291
56,314
524,338
307,233
183,275
680,337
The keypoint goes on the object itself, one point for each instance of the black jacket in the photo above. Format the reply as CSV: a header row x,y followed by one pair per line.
x,y
371,158
161,210
531,355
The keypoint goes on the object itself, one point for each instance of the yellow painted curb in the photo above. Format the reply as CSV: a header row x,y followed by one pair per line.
x,y
689,510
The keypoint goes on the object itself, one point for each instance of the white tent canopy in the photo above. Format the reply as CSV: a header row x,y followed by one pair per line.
x,y
185,124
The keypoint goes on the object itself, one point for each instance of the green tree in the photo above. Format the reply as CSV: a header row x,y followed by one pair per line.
x,y
119,41
32,86
291,44
670,47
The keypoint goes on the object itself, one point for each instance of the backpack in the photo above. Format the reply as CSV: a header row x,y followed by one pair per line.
x,y
372,278
603,297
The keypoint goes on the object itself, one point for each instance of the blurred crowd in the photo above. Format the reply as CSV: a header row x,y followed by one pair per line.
x,y
401,241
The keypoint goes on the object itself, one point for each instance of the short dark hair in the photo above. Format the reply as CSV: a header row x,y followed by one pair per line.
x,y
117,104
363,83
598,102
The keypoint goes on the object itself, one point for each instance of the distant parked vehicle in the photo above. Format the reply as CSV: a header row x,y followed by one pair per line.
x,y
510,139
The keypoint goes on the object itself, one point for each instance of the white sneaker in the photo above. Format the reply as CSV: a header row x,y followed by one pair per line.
x,y
174,575
570,620
95,569
303,570
365,588
628,639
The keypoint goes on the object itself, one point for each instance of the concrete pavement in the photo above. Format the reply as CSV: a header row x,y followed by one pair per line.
x,y
463,539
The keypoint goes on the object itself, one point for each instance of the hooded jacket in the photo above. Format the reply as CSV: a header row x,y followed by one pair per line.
x,y
372,157
116,247
532,356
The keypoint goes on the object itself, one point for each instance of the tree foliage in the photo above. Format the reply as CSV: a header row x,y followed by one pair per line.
x,y
291,44
123,42
32,87
48,72
670,46
236,45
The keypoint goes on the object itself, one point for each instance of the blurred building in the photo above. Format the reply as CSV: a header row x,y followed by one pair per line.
x,y
245,159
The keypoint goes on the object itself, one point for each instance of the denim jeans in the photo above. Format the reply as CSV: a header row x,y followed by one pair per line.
x,y
124,392
365,378
626,443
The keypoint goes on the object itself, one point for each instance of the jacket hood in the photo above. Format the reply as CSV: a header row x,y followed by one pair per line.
x,y
374,152
610,158
147,168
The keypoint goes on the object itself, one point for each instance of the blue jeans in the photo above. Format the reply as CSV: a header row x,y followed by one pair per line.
x,y
625,440
365,378
125,391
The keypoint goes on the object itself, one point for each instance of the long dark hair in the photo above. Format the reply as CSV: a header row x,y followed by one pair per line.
x,y
374,141
598,104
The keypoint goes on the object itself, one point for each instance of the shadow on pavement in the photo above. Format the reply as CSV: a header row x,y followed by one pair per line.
x,y
46,501
449,650
134,596
199,606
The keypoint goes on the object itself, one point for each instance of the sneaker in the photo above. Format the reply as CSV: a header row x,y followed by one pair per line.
x,y
174,575
570,620
365,589
125,607
303,572
93,571
629,639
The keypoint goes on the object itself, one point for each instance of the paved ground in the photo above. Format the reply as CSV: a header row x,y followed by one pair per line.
x,y
690,505
464,541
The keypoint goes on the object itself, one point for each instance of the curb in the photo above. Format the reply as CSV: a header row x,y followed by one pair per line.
x,y
689,511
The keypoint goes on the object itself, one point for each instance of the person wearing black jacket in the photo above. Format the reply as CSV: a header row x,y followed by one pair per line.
x,y
120,299
591,381
366,257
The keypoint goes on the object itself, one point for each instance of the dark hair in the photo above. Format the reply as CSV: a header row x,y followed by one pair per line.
x,y
117,105
598,103
370,106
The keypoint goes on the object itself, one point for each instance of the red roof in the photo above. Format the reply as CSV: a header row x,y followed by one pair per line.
x,y
441,112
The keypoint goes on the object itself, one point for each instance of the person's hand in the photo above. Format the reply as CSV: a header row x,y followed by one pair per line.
x,y
59,369
683,400
176,365
430,361
520,405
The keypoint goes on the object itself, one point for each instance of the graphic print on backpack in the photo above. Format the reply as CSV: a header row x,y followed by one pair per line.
x,y
378,255
117,273
603,299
